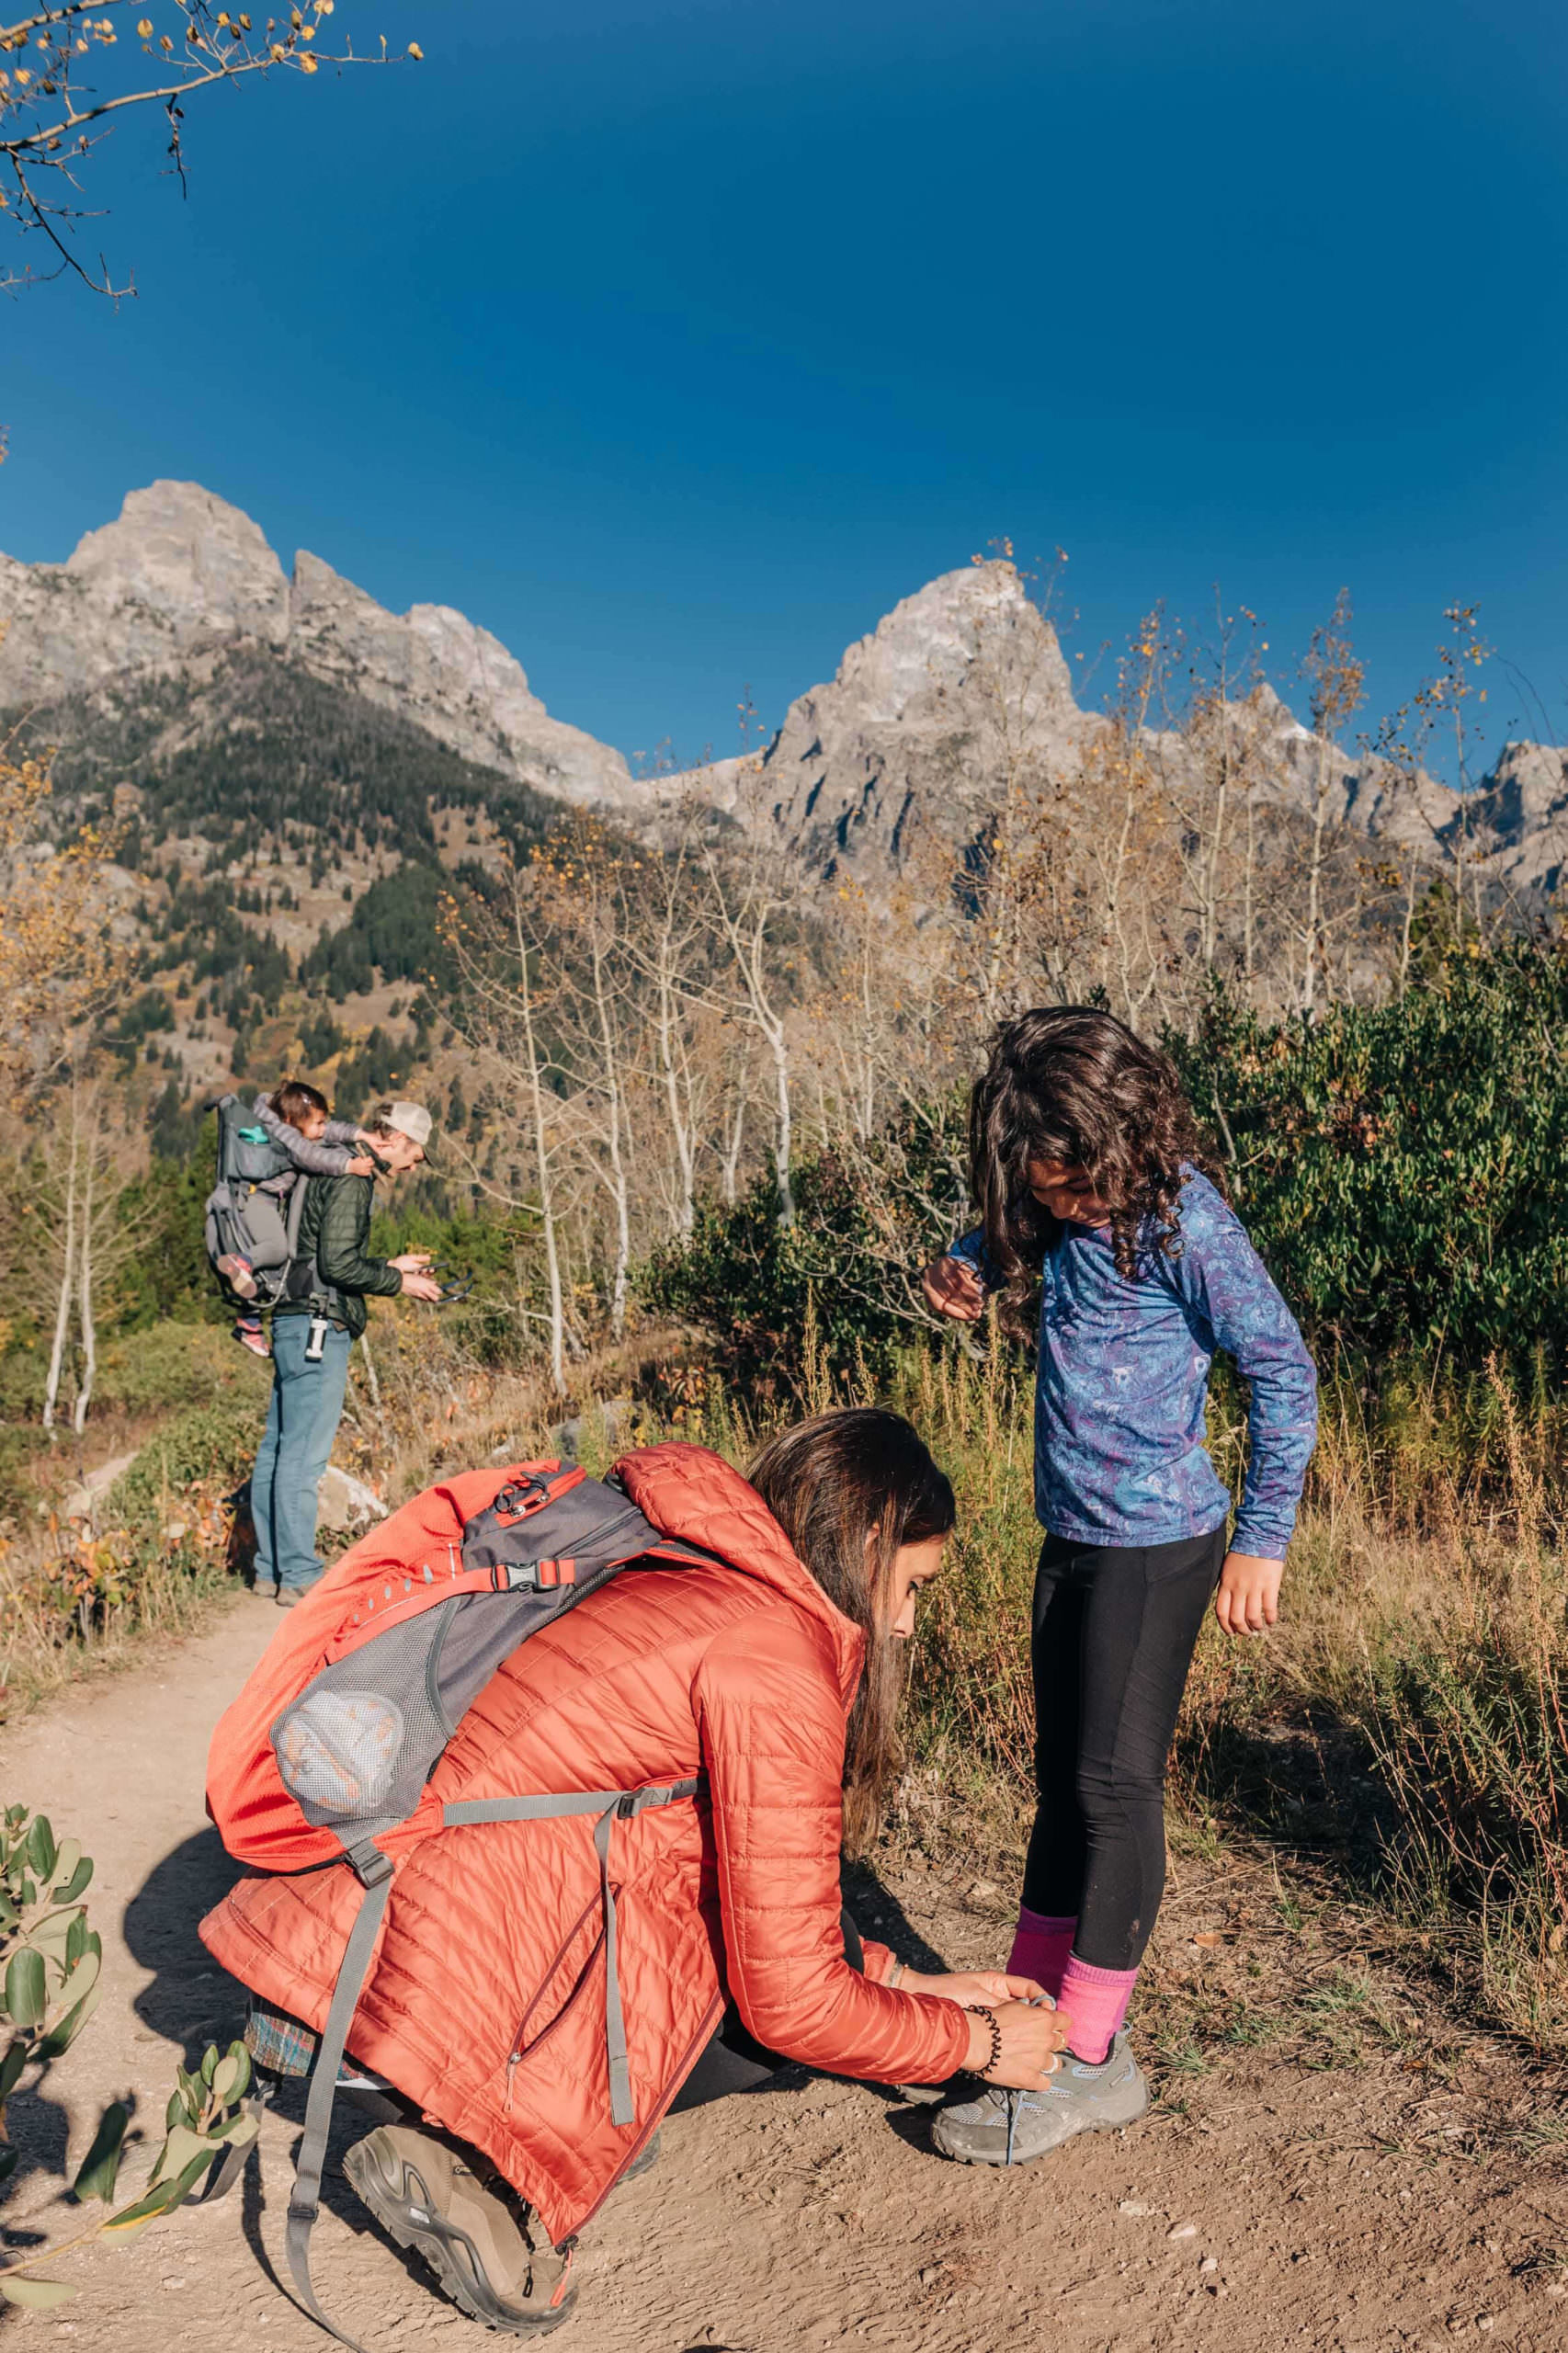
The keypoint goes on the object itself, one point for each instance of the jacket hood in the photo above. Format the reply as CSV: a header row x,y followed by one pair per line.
x,y
690,1491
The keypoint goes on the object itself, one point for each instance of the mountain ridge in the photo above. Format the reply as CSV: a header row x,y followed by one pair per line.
x,y
180,569
962,682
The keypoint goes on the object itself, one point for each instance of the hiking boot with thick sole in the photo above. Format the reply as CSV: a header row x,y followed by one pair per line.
x,y
428,2200
1003,2127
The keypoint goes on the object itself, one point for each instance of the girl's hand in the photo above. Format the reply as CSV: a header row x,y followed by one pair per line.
x,y
971,1986
953,1288
1031,2035
1248,1599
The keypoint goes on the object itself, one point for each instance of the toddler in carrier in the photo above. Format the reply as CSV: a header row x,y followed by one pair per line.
x,y
259,1165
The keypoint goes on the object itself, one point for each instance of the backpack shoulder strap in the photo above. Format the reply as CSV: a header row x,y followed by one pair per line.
x,y
298,1191
304,2202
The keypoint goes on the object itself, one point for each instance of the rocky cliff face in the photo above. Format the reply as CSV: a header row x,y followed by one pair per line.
x,y
1520,818
181,572
964,685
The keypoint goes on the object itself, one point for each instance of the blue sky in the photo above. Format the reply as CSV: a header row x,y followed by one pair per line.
x,y
675,340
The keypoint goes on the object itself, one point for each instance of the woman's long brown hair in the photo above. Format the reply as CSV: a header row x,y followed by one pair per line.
x,y
849,1489
1073,1084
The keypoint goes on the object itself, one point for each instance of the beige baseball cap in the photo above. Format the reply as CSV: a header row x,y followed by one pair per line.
x,y
411,1119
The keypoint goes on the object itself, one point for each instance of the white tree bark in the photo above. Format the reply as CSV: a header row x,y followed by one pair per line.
x,y
67,1275
85,1302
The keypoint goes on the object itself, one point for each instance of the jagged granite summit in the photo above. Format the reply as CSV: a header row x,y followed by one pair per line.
x,y
181,571
962,691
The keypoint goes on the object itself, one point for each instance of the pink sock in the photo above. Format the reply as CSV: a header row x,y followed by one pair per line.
x,y
1094,2002
1040,1947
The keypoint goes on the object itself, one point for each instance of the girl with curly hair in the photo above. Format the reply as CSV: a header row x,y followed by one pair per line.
x,y
1090,1177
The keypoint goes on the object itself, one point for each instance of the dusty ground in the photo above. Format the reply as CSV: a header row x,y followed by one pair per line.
x,y
1333,2161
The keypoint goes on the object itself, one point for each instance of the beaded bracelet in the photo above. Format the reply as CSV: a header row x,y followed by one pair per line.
x,y
994,2060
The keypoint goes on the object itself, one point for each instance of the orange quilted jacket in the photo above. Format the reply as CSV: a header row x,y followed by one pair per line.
x,y
486,2000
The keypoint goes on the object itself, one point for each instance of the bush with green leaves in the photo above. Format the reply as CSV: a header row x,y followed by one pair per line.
x,y
1402,1169
51,1963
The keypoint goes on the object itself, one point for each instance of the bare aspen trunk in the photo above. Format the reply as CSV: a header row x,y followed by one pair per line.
x,y
546,1173
680,1130
1314,884
1248,887
85,1307
783,1131
67,1273
733,1145
1406,925
619,1191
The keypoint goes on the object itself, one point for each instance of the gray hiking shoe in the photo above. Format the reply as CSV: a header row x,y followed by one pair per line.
x,y
1003,2128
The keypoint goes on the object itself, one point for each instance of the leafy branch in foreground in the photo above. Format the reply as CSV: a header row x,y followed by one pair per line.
x,y
54,111
51,1963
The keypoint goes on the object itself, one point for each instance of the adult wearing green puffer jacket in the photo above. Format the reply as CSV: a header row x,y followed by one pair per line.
x,y
312,1330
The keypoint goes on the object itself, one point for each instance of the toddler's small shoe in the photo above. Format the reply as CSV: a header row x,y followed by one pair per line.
x,y
237,1273
1003,2128
252,1337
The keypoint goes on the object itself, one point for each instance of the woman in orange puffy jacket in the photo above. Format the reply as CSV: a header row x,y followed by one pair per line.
x,y
774,1673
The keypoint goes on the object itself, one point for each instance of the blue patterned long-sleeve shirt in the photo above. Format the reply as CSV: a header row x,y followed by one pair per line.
x,y
1123,1381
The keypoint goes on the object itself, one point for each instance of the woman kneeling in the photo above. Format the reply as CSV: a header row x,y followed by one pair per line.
x,y
770,1672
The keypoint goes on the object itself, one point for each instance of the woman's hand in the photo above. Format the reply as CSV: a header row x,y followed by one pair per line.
x,y
973,1986
953,1288
1032,2030
1031,2034
1248,1598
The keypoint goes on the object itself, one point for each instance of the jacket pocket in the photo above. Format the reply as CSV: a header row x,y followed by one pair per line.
x,y
561,1988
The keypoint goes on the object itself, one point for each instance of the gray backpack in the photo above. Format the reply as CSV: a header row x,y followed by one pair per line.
x,y
412,1628
254,1210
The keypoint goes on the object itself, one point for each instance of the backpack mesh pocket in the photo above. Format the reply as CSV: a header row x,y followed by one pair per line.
x,y
358,1746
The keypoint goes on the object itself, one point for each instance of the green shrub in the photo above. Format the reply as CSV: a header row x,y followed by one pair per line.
x,y
1403,1170
867,1219
204,1449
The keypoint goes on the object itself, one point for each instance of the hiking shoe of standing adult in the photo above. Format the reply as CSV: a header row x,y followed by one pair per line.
x,y
1003,2128
431,2202
237,1273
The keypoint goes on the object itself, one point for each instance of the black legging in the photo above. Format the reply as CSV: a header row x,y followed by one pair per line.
x,y
1114,1631
735,2060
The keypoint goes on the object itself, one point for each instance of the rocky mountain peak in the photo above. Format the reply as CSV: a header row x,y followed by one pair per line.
x,y
184,554
930,645
180,572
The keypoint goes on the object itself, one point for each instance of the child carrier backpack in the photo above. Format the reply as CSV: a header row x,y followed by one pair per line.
x,y
326,1755
253,1211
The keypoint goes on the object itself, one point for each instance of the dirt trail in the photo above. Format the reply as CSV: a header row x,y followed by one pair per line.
x,y
1399,2185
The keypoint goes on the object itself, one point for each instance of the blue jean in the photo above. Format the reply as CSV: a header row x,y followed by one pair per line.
x,y
296,1446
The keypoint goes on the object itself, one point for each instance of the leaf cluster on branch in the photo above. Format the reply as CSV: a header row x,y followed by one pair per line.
x,y
67,71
